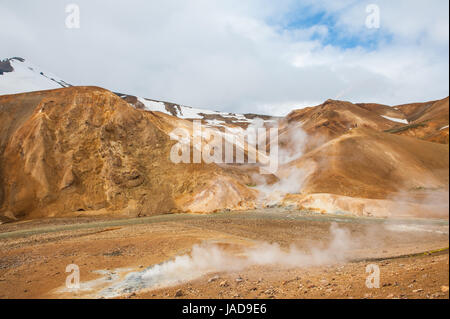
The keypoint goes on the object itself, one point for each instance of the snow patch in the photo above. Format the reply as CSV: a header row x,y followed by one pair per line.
x,y
153,106
28,78
192,113
393,119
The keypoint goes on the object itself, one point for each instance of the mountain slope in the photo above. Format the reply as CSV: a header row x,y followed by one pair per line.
x,y
370,164
333,118
428,121
86,150
83,150
209,118
18,76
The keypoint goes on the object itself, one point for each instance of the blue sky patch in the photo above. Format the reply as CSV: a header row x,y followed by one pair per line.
x,y
337,36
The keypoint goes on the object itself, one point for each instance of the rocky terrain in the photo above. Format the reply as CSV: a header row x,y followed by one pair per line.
x,y
412,256
84,150
81,164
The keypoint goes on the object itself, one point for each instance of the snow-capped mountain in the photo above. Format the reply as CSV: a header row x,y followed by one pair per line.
x,y
18,76
208,117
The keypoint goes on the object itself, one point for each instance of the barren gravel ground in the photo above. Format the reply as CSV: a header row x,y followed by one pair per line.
x,y
34,255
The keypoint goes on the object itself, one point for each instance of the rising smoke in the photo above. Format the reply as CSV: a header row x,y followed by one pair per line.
x,y
291,178
209,258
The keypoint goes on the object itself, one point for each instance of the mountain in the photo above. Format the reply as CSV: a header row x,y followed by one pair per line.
x,y
333,118
209,118
83,150
73,151
373,164
428,121
19,76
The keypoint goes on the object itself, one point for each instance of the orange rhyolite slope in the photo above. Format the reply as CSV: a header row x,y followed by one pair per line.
x,y
83,150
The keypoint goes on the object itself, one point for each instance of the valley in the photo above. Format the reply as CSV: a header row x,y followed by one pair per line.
x,y
150,199
412,255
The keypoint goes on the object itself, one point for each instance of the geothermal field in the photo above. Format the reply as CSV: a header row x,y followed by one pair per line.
x,y
264,253
109,195
224,159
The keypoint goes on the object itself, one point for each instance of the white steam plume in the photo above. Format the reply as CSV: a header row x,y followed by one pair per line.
x,y
208,258
293,142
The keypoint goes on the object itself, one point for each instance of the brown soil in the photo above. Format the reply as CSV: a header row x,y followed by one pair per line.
x,y
427,120
34,255
370,164
83,150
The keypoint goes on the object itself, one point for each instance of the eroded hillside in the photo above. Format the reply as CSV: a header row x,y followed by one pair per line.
x,y
84,150
87,151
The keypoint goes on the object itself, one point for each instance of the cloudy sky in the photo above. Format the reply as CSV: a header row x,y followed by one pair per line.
x,y
260,56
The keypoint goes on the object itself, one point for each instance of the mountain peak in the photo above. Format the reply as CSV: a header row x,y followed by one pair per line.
x,y
18,76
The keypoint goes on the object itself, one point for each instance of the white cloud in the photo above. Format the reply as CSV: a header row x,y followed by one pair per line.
x,y
235,55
